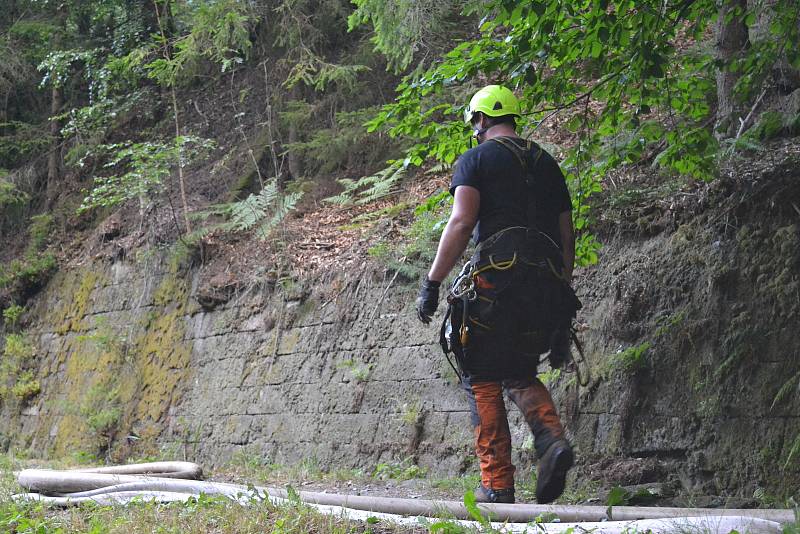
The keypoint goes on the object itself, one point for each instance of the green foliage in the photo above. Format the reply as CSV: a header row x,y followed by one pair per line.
x,y
12,202
632,359
91,125
20,276
306,46
219,32
343,145
550,376
17,380
403,28
451,527
411,412
19,142
263,211
58,66
370,188
148,165
314,72
611,65
618,496
791,386
770,124
25,518
26,386
403,470
12,314
39,230
106,339
417,248
360,373
33,38
102,410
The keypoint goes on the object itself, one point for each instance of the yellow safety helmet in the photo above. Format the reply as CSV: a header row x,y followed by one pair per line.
x,y
493,101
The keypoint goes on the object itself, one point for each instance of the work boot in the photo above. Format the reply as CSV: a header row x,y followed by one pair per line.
x,y
551,472
488,495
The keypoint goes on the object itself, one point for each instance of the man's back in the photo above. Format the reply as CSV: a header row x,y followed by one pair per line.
x,y
495,170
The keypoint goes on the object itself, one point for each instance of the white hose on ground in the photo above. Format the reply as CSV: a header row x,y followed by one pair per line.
x,y
119,485
186,470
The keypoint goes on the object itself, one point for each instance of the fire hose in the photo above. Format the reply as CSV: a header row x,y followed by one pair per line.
x,y
177,482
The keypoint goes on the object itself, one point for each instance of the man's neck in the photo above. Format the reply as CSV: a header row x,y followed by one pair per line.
x,y
500,130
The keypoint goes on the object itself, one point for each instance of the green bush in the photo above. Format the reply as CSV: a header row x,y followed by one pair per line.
x,y
20,143
633,358
769,126
12,314
15,380
26,386
40,228
102,409
22,275
12,202
10,195
403,470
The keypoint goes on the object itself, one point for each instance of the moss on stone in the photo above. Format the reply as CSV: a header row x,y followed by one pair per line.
x,y
146,376
75,301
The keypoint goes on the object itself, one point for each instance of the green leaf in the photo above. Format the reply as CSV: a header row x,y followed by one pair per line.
x,y
618,496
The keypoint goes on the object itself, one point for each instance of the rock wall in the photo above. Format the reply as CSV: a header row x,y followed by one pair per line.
x,y
692,338
341,373
691,342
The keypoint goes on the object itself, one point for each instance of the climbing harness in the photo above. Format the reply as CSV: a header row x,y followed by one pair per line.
x,y
464,284
479,296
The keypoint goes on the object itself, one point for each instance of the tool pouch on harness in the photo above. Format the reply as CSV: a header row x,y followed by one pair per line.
x,y
510,299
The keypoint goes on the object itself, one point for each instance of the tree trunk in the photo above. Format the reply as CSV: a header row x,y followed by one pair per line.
x,y
56,103
54,156
732,39
293,159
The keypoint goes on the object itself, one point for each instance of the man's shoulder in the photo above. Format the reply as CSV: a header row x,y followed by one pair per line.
x,y
472,153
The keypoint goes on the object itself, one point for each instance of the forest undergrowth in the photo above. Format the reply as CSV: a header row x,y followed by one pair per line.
x,y
282,140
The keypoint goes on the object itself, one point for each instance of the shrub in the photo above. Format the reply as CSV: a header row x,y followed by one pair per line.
x,y
15,380
12,314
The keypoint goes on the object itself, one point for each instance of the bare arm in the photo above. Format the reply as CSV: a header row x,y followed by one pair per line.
x,y
567,235
457,232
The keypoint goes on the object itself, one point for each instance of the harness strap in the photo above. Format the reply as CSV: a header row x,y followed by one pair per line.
x,y
523,156
583,381
443,342
521,153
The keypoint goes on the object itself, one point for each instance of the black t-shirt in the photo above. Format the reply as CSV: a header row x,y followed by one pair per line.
x,y
498,175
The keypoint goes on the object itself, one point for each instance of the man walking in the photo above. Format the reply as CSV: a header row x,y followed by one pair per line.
x,y
512,302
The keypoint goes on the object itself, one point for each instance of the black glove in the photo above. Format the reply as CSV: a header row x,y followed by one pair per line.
x,y
428,299
560,354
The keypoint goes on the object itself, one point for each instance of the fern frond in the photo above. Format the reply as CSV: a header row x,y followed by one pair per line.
x,y
382,184
441,167
369,188
218,210
786,388
246,213
340,200
282,207
793,450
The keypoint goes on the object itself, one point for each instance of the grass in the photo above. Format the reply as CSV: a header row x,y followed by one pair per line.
x,y
216,515
202,515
